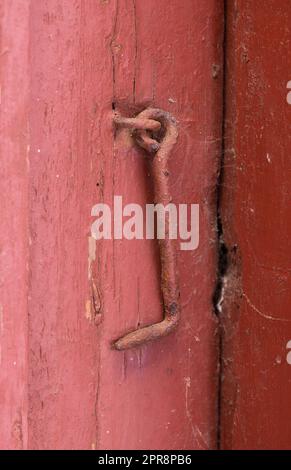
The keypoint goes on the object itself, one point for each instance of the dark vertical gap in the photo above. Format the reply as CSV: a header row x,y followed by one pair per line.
x,y
221,246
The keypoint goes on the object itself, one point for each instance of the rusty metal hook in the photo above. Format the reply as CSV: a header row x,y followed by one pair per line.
x,y
158,122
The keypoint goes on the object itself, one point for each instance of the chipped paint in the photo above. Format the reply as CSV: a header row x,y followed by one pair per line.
x,y
93,305
88,309
91,255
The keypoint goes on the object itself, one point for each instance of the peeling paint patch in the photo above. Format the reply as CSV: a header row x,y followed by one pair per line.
x,y
93,305
91,256
96,298
88,309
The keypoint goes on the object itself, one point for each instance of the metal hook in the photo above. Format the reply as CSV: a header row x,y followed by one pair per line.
x,y
157,120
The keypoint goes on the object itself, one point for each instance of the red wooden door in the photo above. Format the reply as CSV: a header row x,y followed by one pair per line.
x,y
66,297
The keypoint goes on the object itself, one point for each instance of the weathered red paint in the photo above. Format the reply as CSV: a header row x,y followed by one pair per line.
x,y
85,55
14,145
69,85
256,385
165,394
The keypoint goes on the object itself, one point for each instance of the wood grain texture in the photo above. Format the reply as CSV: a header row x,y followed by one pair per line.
x,y
65,297
14,146
164,395
256,382
70,94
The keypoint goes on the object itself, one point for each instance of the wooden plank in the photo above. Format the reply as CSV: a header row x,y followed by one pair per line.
x,y
256,382
71,92
14,145
164,395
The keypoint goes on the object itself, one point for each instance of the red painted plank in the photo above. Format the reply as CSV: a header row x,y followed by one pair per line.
x,y
14,145
256,217
163,395
71,75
